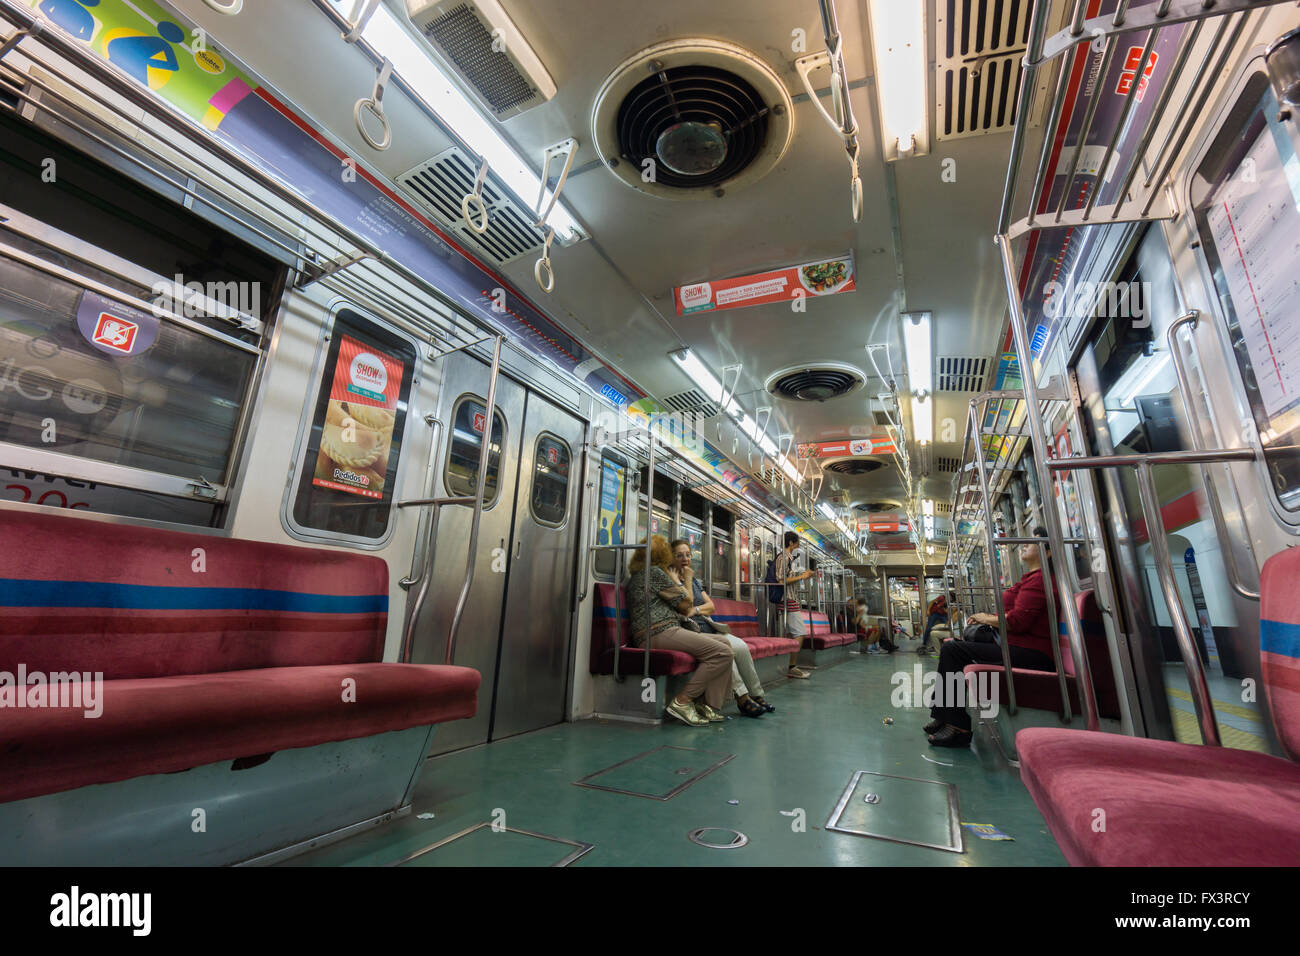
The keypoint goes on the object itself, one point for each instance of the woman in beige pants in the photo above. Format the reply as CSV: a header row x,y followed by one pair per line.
x,y
700,701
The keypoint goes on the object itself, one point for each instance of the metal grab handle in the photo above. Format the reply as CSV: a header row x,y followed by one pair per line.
x,y
473,200
995,573
229,7
1182,628
375,104
1216,511
406,582
480,487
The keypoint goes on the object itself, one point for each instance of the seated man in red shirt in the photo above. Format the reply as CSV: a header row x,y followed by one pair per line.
x,y
1028,640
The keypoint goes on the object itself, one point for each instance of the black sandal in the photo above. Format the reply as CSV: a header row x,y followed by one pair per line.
x,y
950,736
749,708
932,727
762,702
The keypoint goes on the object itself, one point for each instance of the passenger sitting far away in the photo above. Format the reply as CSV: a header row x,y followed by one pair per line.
x,y
745,685
1029,636
658,624
794,622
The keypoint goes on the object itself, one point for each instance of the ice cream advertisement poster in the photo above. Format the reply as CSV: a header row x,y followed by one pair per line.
x,y
157,50
357,434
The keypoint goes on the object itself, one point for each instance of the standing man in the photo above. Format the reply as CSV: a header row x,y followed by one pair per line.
x,y
794,623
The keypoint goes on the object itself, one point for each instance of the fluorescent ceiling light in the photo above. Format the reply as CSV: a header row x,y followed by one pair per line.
x,y
701,375
414,64
916,343
922,421
825,509
927,506
898,45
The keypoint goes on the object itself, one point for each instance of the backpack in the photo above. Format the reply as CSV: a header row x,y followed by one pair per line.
x,y
775,590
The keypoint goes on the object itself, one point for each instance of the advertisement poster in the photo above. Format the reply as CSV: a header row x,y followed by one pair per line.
x,y
827,277
613,481
878,444
358,430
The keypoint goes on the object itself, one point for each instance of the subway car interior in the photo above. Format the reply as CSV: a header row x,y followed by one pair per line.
x,y
967,537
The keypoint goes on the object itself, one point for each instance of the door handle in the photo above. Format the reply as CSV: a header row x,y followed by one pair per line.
x,y
519,546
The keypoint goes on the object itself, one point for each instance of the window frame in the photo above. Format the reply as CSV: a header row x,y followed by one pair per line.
x,y
532,482
456,406
77,254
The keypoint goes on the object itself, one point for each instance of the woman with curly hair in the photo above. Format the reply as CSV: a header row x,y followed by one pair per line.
x,y
658,624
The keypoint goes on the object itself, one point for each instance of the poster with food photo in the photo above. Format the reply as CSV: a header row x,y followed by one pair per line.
x,y
357,434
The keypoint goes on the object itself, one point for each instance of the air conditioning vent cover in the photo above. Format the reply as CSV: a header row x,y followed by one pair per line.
x,y
978,53
692,400
960,373
482,45
856,466
815,383
438,185
710,114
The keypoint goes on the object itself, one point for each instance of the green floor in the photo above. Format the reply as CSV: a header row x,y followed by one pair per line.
x,y
800,758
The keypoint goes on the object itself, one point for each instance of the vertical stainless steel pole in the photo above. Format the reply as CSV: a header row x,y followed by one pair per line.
x,y
991,556
649,540
485,453
1066,710
1051,516
1182,629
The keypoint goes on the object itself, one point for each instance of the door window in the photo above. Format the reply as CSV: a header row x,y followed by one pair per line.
x,y
550,498
467,427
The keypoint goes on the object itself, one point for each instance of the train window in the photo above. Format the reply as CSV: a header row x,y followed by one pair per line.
x,y
348,459
96,382
468,421
613,511
1247,202
550,498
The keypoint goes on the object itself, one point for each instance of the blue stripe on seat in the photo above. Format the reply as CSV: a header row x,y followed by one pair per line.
x,y
607,611
1275,637
734,618
19,592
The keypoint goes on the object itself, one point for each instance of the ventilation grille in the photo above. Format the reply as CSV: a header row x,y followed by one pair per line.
x,y
855,466
814,384
979,45
961,374
942,508
692,94
439,185
947,464
463,38
692,400
882,419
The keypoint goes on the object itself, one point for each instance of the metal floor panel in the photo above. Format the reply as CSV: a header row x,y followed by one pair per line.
x,y
900,809
481,845
657,774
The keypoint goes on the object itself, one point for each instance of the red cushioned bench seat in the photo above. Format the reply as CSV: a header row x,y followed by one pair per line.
x,y
1040,690
820,636
209,649
1166,804
1173,804
605,634
742,618
164,724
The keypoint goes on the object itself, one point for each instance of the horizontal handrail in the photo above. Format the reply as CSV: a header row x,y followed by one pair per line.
x,y
1151,458
425,502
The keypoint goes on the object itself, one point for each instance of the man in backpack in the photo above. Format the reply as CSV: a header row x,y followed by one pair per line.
x,y
794,622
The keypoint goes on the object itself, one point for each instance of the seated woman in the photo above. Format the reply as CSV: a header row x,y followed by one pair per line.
x,y
658,625
869,635
745,686
1029,644
938,618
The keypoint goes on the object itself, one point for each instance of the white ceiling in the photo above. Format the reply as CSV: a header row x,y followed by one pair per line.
x,y
614,292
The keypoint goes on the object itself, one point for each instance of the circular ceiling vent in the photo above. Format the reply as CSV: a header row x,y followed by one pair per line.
x,y
855,466
877,507
685,118
815,383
